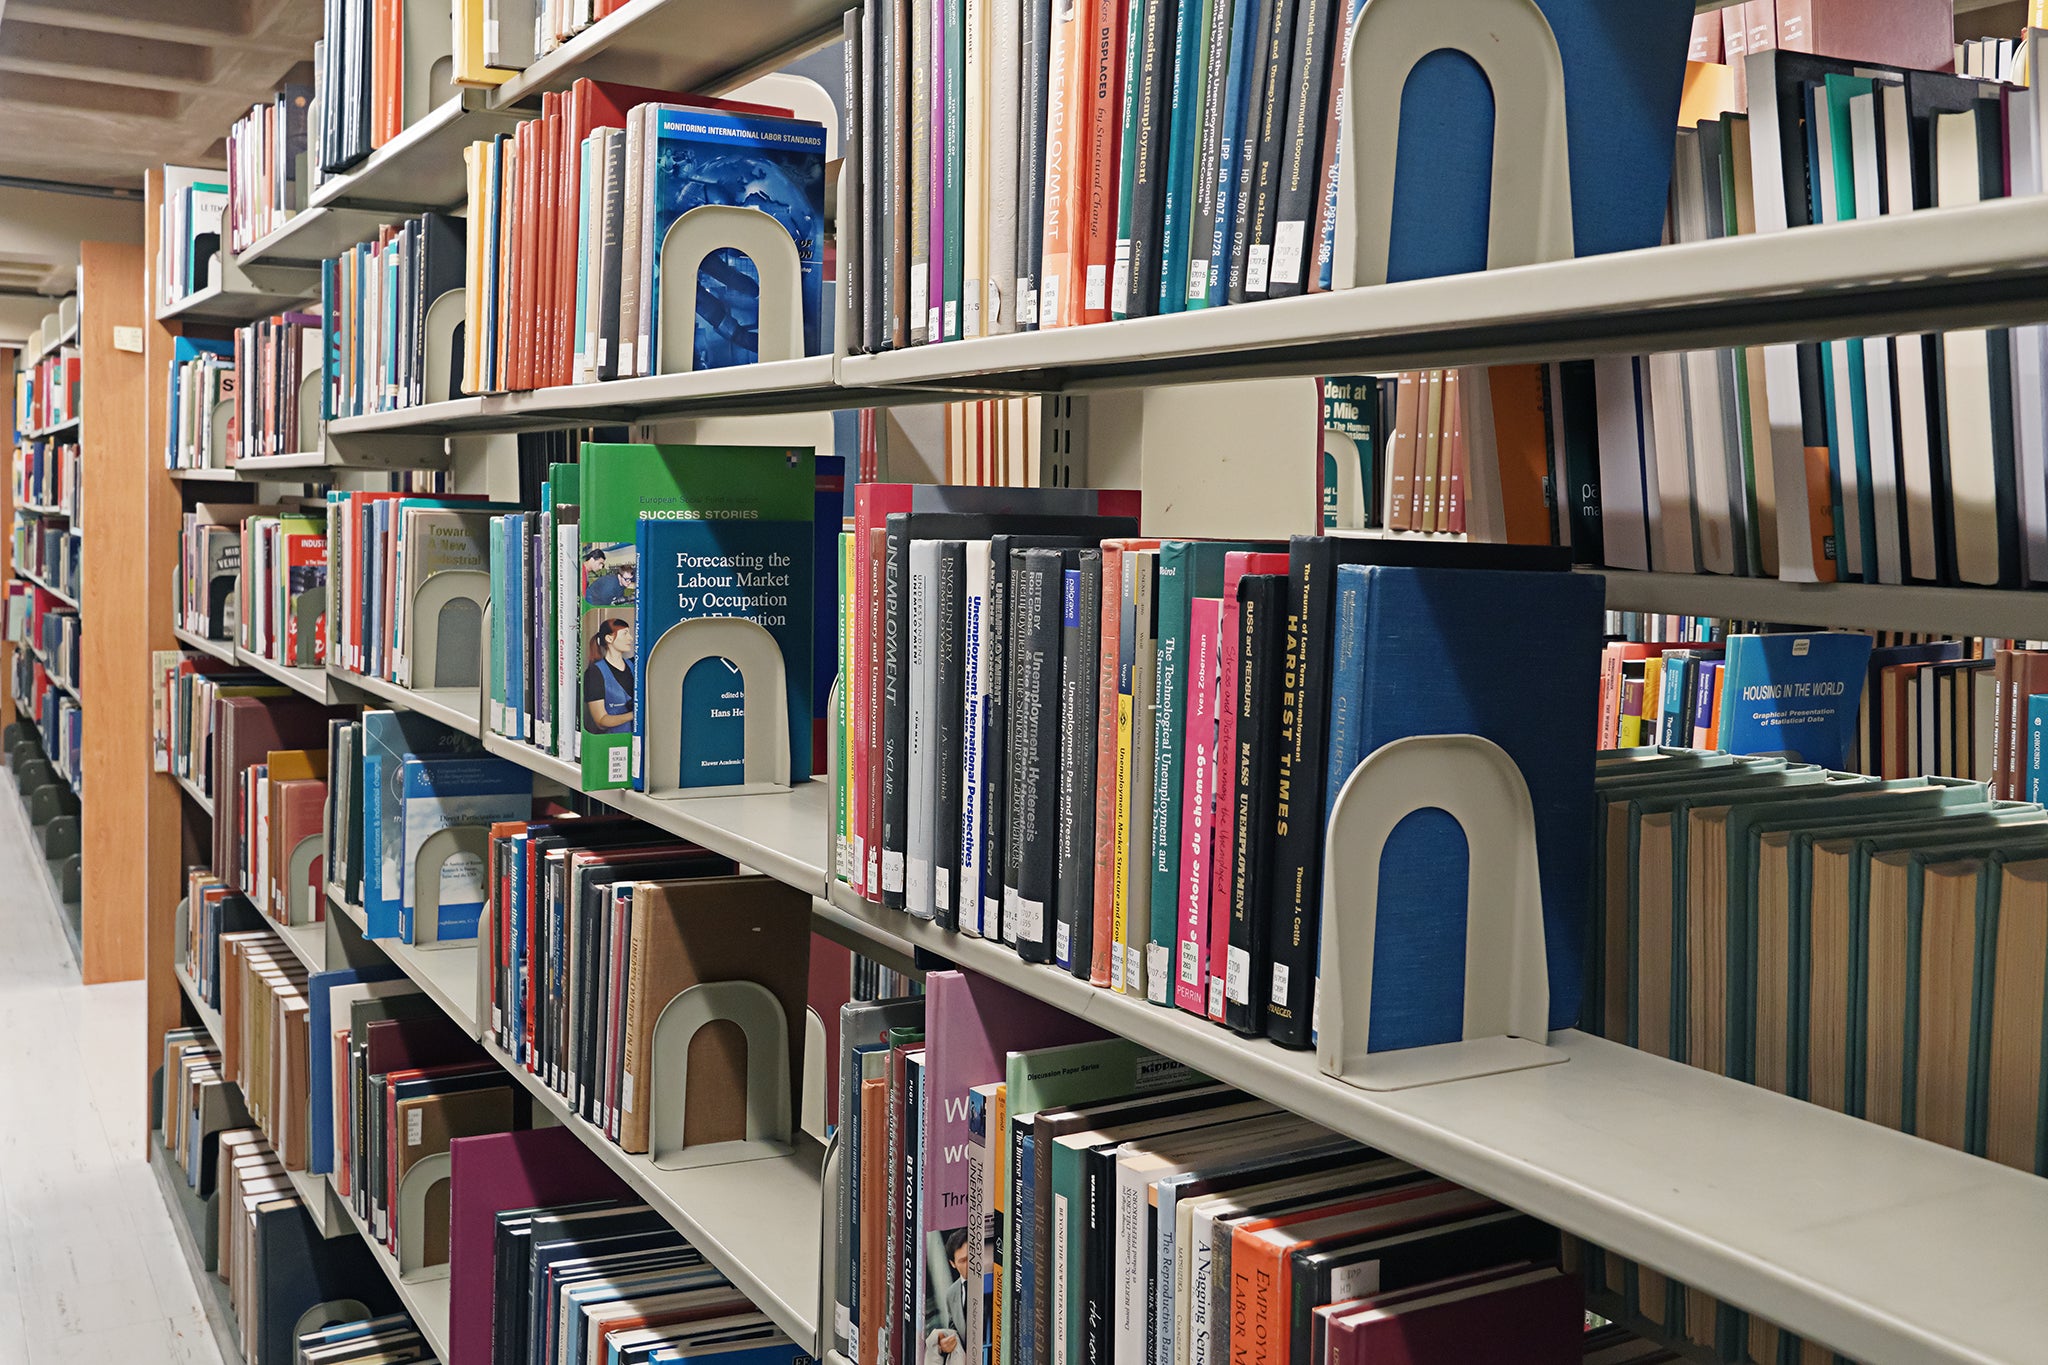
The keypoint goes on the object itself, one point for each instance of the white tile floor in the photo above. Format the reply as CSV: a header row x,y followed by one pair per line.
x,y
90,1270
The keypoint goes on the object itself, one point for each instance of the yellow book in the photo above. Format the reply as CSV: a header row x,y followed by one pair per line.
x,y
469,48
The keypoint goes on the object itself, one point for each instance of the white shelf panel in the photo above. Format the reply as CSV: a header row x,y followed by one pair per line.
x,y
1890,1249
323,1205
454,707
2001,612
209,1017
223,303
778,834
191,789
315,234
447,975
316,683
307,942
1986,264
308,463
752,1219
44,433
66,598
192,639
204,475
37,509
678,44
421,168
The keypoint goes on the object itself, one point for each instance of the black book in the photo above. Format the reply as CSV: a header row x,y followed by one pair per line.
x,y
852,266
950,687
1404,1260
1080,660
1261,649
1316,41
1296,893
1244,137
1205,189
1265,140
1154,112
1035,52
611,254
1038,583
1575,426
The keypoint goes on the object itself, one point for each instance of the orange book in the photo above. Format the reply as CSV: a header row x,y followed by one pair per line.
x,y
1069,65
1401,461
546,226
531,165
874,1181
1451,479
1521,444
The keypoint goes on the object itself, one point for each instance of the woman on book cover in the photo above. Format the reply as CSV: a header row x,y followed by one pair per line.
x,y
946,1312
608,679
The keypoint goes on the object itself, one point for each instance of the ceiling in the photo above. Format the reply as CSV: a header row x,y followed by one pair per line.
x,y
98,91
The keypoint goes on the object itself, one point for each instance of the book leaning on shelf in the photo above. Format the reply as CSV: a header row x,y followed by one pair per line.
x,y
267,182
274,357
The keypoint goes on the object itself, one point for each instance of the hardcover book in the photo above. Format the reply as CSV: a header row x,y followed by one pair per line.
x,y
447,793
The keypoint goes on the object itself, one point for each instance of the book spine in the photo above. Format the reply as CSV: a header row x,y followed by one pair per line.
x,y
1126,722
1182,149
1005,85
853,150
1127,157
1191,944
1208,152
1080,642
1036,730
906,299
996,745
1066,63
948,167
1103,936
1148,182
1347,685
1266,143
922,714
1102,99
1036,67
926,209
973,202
1301,159
947,674
895,717
1328,175
1223,823
973,709
1296,885
909,1331
1139,978
1169,731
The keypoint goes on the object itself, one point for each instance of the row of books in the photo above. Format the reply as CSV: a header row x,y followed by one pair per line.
x,y
394,778
49,395
375,298
203,376
281,598
570,213
54,639
274,357
60,720
51,549
506,36
48,474
745,532
268,181
1001,1162
382,548
208,580
1080,750
360,91
277,1267
189,224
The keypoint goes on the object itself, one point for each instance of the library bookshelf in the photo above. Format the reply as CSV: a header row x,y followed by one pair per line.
x,y
1890,1249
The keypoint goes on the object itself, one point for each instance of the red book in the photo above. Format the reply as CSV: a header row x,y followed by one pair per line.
x,y
1536,1317
1099,168
872,505
1235,566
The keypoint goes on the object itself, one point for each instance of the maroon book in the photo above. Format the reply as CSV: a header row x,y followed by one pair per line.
x,y
1530,1316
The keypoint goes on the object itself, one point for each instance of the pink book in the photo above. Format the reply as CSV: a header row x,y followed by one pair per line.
x,y
1198,805
1223,843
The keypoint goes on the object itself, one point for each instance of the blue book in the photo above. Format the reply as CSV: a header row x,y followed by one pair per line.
x,y
698,565
776,165
1184,126
1703,700
2037,731
1672,705
1513,658
1347,681
448,793
320,1060
1624,66
1023,1320
1794,695
389,738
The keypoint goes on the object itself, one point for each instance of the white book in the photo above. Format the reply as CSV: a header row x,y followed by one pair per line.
x,y
1909,360
974,702
1624,521
923,775
1877,361
1966,380
1673,546
1005,26
2029,360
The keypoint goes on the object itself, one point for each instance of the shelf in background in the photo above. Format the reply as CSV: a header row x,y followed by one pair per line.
x,y
66,598
1937,270
751,1219
1996,612
323,1205
423,167
39,510
447,975
205,475
454,707
67,337
191,789
219,649
425,1299
679,45
230,304
315,234
44,433
1825,1224
209,1017
212,1291
779,834
308,463
315,682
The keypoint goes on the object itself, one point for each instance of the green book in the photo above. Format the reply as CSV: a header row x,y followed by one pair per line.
x,y
955,163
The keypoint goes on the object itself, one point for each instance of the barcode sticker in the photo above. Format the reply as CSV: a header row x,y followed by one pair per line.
x,y
1049,302
1280,984
1237,976
942,891
414,1131
1134,971
615,762
892,871
1116,971
1215,997
952,316
1198,279
1027,304
1098,288
1063,944
1120,280
1287,238
1255,269
1190,962
1157,975
1030,920
931,324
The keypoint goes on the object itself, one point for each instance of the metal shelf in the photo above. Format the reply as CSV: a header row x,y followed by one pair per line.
x,y
447,974
223,650
209,1017
191,789
44,433
312,235
66,598
212,1290
231,303
1888,1248
315,682
1996,612
423,167
454,707
40,510
425,1299
205,475
313,464
307,942
679,45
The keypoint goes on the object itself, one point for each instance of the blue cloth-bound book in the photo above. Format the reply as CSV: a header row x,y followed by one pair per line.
x,y
320,1060
1794,695
1510,657
1624,67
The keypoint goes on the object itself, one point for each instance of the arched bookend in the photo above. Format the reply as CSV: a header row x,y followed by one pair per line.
x,y
754,1008
1530,220
415,1189
301,888
765,242
429,59
217,426
331,1313
1507,980
1339,447
436,851
811,1115
441,338
312,429
447,629
838,852
749,647
309,608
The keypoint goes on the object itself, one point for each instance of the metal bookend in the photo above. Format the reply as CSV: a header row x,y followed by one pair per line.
x,y
751,650
330,1313
1507,979
429,59
759,1015
1350,484
312,427
447,631
707,228
302,890
437,360
1530,219
440,848
217,422
413,1189
834,1318
838,850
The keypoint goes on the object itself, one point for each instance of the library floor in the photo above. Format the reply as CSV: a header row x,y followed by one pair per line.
x,y
90,1270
